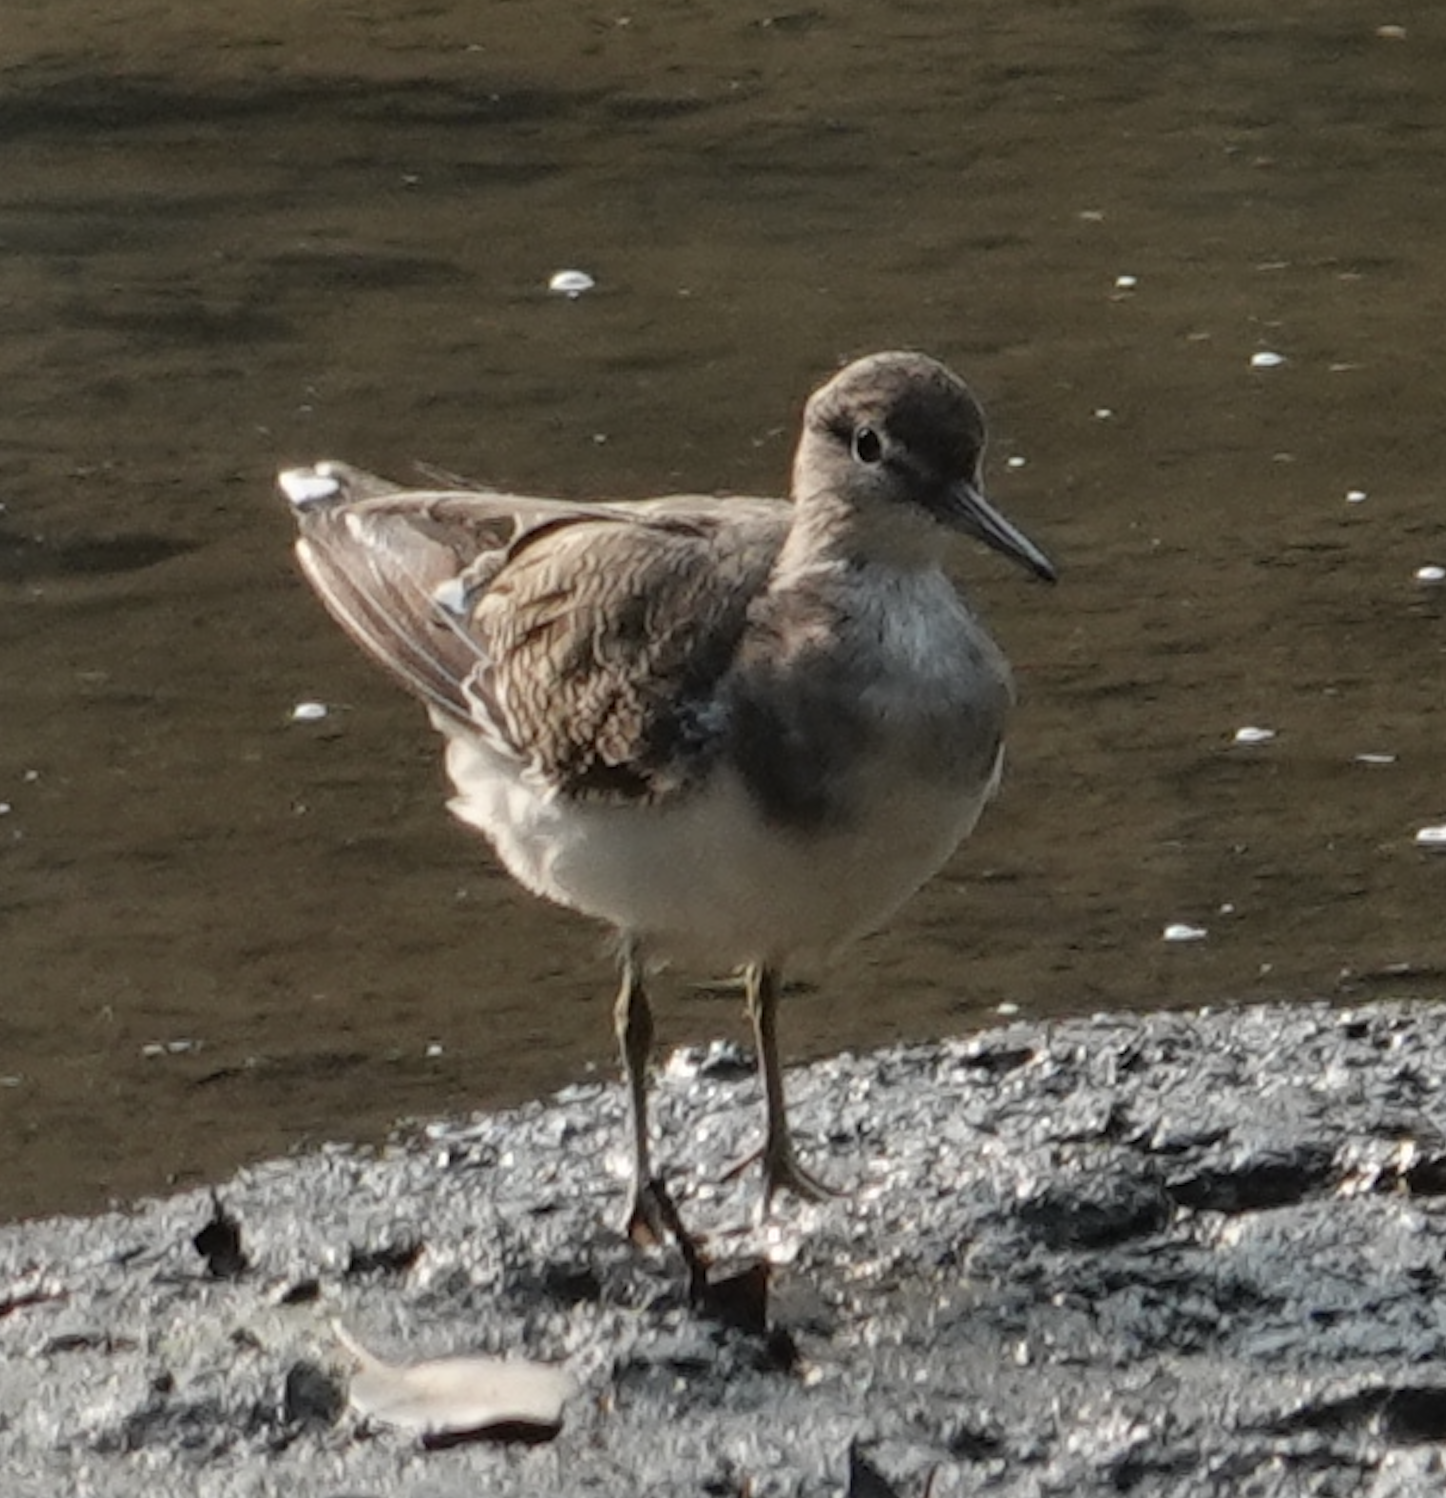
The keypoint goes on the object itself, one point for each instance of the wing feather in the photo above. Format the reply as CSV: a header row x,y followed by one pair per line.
x,y
585,640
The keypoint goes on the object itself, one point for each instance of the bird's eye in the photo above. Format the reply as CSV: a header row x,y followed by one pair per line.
x,y
867,447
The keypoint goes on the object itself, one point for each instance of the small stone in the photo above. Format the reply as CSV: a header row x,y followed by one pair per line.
x,y
312,1396
1265,359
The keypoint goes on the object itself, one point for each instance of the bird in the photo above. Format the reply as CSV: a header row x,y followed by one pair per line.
x,y
740,731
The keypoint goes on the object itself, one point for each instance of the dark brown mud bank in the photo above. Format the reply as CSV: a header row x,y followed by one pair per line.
x,y
1173,1254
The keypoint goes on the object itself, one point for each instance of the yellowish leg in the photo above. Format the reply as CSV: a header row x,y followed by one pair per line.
x,y
633,1020
781,1169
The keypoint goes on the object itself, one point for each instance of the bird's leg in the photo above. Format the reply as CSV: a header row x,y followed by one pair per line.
x,y
633,1020
780,1165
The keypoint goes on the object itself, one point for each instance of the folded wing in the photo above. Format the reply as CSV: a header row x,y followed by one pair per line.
x,y
585,641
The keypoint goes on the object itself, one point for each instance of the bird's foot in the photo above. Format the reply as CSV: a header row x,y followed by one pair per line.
x,y
782,1172
647,1223
653,1219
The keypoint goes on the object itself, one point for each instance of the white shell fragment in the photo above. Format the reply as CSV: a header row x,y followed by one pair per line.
x,y
307,486
456,1397
1179,931
571,283
1015,462
1431,837
1355,496
1127,283
308,712
1375,759
169,1048
1431,574
1249,735
1265,359
716,1058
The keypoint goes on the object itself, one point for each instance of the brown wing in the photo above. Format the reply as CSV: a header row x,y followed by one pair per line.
x,y
607,638
378,556
583,639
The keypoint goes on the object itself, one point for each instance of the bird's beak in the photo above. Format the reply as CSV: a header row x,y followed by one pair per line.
x,y
966,509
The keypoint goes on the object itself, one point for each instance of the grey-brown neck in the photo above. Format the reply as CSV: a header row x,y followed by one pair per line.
x,y
833,527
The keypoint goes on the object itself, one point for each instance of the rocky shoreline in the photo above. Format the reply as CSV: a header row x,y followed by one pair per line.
x,y
1170,1253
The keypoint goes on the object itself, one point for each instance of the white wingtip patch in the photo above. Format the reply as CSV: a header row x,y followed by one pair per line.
x,y
308,486
453,597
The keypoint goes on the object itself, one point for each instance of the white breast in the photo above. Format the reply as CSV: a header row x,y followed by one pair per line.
x,y
703,875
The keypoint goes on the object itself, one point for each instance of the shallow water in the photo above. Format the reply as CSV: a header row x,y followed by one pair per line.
x,y
231,244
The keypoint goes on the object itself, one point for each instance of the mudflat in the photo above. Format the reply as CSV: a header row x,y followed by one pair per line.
x,y
1162,1254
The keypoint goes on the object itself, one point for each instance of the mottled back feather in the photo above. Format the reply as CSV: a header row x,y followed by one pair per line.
x,y
584,640
603,641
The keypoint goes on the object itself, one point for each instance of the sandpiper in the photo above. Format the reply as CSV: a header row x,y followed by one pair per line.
x,y
741,731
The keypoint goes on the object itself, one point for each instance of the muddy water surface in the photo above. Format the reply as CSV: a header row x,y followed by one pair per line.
x,y
230,244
